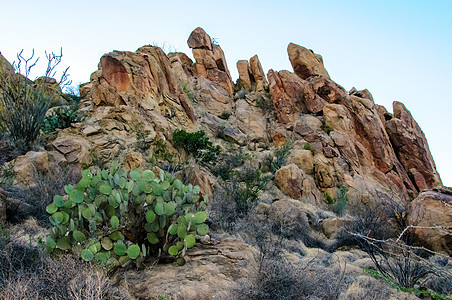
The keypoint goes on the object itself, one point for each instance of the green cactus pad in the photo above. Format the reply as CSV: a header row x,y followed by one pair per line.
x,y
150,216
180,245
87,255
159,209
116,235
58,217
180,261
106,243
200,217
58,200
68,188
152,238
51,208
172,229
105,189
173,251
50,243
181,231
95,247
64,243
148,175
78,236
133,251
202,229
120,249
114,221
169,208
190,241
76,196
135,175
102,257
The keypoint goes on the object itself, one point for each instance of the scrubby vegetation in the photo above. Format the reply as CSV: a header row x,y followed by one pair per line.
x,y
197,144
115,217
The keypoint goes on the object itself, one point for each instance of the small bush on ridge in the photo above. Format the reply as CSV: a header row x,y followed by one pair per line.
x,y
197,144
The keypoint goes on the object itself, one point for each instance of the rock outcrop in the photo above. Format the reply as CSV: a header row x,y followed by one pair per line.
x,y
431,213
210,272
251,75
210,59
412,149
305,62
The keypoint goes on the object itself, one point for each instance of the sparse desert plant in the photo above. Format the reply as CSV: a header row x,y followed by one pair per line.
x,y
23,103
116,217
197,144
61,117
281,154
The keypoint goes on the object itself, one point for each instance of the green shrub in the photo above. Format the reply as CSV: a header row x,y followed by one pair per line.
x,y
22,110
308,146
142,143
326,128
225,115
114,217
197,144
281,154
61,117
341,203
160,152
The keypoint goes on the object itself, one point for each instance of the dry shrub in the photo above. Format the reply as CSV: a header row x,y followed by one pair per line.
x,y
27,272
32,201
367,288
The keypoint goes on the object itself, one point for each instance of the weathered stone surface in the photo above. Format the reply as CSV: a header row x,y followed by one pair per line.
x,y
412,148
294,183
287,94
250,120
303,159
432,208
74,148
199,39
133,160
258,74
243,67
33,164
143,80
210,60
323,172
305,62
212,97
210,272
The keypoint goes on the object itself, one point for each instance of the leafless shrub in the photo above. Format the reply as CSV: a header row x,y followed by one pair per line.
x,y
280,279
32,202
26,272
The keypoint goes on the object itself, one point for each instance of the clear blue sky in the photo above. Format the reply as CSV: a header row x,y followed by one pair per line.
x,y
399,50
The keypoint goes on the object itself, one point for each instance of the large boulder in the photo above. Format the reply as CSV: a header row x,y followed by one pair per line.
x,y
431,213
287,94
412,148
210,59
29,167
305,62
211,271
251,74
296,184
144,80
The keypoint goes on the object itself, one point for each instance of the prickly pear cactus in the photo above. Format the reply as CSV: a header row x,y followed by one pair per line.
x,y
115,217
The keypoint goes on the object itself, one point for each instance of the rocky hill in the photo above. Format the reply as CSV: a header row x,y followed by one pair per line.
x,y
326,159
